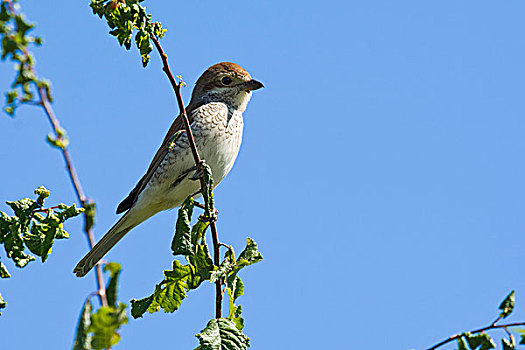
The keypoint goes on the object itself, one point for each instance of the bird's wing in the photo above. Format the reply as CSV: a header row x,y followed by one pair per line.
x,y
177,125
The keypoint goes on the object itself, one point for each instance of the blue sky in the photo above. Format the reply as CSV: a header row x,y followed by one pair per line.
x,y
381,171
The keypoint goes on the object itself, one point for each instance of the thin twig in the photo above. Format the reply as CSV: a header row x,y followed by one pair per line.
x,y
198,163
481,330
84,201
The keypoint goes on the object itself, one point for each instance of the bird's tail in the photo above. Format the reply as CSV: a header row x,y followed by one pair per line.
x,y
107,242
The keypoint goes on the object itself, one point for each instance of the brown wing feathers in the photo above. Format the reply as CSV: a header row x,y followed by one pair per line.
x,y
177,125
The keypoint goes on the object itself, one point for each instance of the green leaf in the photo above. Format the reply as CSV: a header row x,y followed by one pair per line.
x,y
203,265
42,194
29,228
3,271
222,334
507,305
14,246
181,244
482,340
10,110
139,307
249,256
4,14
82,336
104,325
237,288
169,293
22,26
461,344
197,232
235,312
113,268
3,304
111,288
508,344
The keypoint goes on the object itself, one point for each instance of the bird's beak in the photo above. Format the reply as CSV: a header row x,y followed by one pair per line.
x,y
252,85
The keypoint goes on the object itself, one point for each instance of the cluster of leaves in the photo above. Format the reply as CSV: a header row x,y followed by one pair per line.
x,y
3,304
123,16
30,229
480,340
189,241
99,330
14,31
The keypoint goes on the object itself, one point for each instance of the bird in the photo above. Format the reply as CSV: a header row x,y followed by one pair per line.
x,y
215,112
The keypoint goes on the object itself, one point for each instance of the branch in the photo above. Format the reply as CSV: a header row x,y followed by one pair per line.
x,y
481,330
84,201
198,162
44,102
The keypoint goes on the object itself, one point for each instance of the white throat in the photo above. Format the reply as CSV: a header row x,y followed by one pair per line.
x,y
236,100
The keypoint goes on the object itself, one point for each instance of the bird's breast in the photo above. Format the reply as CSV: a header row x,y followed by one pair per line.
x,y
218,137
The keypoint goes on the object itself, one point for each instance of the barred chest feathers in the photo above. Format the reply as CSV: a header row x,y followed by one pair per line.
x,y
218,136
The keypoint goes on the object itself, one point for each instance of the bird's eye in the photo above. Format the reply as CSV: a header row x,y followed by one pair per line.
x,y
226,80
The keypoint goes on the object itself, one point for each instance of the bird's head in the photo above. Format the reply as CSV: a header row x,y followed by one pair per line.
x,y
225,82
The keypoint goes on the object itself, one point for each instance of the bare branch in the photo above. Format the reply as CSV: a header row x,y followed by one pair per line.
x,y
84,201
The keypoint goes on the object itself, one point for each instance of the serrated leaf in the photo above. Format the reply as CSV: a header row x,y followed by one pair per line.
x,y
507,305
29,228
482,340
82,336
222,334
169,293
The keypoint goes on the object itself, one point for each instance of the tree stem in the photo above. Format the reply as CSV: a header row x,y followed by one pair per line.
x,y
198,163
84,201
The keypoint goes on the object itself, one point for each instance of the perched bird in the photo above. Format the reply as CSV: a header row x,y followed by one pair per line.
x,y
219,98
